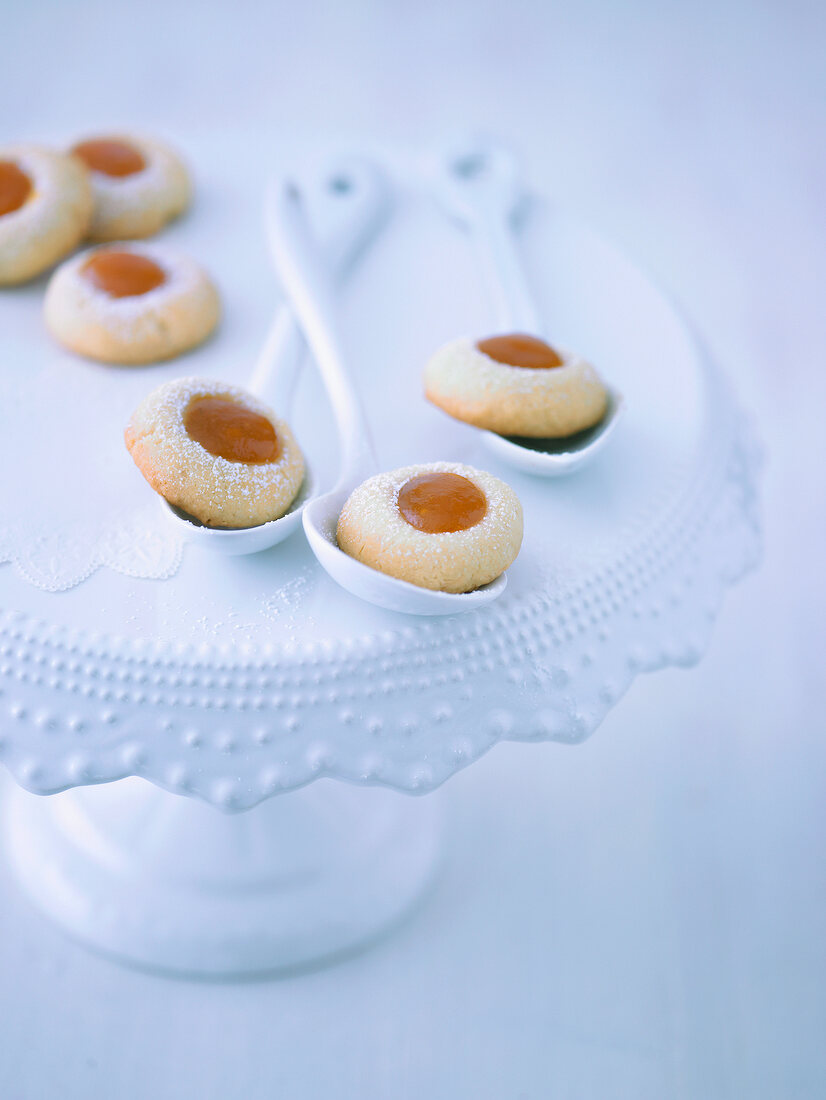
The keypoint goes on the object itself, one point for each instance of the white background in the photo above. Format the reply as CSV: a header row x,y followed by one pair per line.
x,y
642,916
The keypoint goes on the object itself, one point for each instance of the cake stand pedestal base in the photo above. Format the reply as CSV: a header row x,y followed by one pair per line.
x,y
171,884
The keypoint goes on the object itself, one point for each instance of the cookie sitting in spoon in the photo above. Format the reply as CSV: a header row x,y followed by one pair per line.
x,y
441,525
516,385
216,452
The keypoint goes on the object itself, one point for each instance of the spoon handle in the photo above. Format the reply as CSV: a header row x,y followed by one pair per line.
x,y
479,183
279,357
309,289
515,306
350,202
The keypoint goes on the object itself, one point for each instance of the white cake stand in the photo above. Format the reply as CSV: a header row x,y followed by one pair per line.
x,y
239,680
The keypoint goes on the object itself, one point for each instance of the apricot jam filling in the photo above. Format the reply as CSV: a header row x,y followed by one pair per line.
x,y
518,350
123,274
15,187
231,431
111,157
438,503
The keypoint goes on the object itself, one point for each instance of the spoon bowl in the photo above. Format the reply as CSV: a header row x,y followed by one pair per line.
x,y
479,185
349,203
304,280
231,541
320,521
562,456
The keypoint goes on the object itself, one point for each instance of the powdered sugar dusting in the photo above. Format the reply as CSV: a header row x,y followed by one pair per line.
x,y
182,469
460,367
171,401
375,503
182,276
59,187
472,386
138,204
373,530
122,194
38,164
286,604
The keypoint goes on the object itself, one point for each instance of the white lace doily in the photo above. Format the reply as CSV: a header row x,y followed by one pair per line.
x,y
70,503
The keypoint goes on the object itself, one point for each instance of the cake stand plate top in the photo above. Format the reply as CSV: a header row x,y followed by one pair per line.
x,y
236,678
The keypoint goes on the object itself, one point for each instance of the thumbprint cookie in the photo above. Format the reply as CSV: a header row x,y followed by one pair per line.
x,y
45,209
443,526
516,385
216,452
139,185
131,304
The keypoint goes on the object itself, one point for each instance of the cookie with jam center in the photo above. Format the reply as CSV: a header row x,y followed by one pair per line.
x,y
46,208
131,304
516,384
443,525
216,452
139,184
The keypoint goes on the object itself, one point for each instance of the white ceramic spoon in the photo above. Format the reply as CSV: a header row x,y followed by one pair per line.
x,y
348,204
479,185
310,292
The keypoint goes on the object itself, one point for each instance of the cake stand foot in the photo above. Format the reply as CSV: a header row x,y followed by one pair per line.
x,y
168,883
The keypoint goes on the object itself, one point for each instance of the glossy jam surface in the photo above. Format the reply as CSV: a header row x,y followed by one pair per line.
x,y
123,274
15,187
231,431
111,157
518,350
437,503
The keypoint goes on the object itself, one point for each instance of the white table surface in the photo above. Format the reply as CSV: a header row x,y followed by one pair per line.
x,y
643,915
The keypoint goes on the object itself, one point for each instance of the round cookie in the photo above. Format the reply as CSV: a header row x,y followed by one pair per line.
x,y
45,209
216,452
433,554
139,185
107,304
559,395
